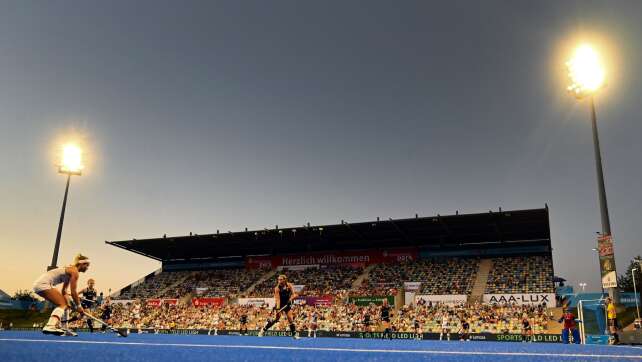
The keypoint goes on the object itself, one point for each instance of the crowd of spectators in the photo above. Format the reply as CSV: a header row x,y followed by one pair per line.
x,y
532,274
333,280
446,276
154,285
437,276
216,283
341,317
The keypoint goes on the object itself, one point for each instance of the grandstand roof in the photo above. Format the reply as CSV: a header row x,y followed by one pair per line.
x,y
496,229
4,296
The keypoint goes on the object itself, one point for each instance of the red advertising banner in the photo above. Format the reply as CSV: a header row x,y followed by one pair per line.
x,y
198,302
351,258
258,262
317,301
158,302
323,300
399,255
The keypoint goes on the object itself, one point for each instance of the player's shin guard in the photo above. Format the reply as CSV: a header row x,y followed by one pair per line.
x,y
56,317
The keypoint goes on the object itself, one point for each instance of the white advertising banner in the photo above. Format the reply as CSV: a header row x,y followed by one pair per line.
x,y
412,286
257,302
445,299
122,301
521,299
409,298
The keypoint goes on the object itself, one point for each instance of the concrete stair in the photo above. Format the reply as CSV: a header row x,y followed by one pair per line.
x,y
269,274
477,292
359,281
175,284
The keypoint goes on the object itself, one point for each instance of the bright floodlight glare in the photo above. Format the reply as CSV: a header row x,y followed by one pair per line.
x,y
585,71
71,159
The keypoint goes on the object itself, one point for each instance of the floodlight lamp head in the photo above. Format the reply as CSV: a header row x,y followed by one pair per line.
x,y
585,71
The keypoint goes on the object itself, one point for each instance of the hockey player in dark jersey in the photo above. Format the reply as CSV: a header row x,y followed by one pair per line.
x,y
385,319
284,295
527,330
243,323
464,330
417,326
106,314
88,301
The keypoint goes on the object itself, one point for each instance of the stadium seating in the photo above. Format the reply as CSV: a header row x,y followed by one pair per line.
x,y
437,276
216,283
151,287
532,274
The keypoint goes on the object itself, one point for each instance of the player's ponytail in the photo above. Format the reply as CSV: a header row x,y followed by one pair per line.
x,y
80,259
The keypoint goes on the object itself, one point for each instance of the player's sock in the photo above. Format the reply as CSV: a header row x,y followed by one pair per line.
x,y
441,336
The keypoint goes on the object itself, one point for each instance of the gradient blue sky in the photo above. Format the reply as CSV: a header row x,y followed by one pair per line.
x,y
205,115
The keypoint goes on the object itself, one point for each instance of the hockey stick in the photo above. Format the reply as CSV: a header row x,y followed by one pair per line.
x,y
122,333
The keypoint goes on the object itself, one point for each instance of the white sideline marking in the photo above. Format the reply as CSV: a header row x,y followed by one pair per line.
x,y
330,349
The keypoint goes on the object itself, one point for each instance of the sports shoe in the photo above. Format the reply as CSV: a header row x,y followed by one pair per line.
x,y
70,333
261,333
53,330
296,336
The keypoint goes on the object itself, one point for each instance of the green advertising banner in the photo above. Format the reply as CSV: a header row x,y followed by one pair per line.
x,y
607,261
365,301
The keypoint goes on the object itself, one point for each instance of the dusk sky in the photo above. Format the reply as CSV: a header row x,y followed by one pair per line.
x,y
205,115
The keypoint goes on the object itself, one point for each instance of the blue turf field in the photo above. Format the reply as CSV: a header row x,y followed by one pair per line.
x,y
33,346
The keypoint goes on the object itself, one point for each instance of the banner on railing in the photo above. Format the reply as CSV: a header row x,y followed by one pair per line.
x,y
199,302
365,301
257,302
317,301
521,299
445,299
157,302
412,286
121,301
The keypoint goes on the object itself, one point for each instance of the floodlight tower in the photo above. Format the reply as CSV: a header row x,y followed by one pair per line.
x,y
587,76
71,164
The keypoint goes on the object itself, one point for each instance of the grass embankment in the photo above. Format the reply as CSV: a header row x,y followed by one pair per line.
x,y
22,318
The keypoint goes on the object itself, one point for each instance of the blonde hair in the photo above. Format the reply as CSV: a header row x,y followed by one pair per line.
x,y
79,257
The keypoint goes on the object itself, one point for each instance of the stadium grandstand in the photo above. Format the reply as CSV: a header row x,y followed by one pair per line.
x,y
491,269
